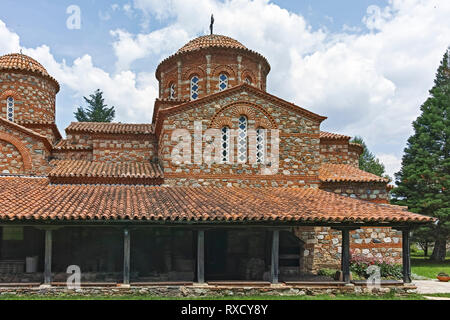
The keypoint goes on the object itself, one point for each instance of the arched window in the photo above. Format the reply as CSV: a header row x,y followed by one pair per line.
x,y
172,91
10,108
242,139
248,80
194,88
223,81
225,144
260,145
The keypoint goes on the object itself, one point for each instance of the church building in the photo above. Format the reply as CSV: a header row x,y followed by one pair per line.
x,y
226,183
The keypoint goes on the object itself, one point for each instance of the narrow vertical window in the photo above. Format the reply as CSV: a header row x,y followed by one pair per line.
x,y
260,145
248,80
242,139
172,91
10,108
225,144
194,88
223,82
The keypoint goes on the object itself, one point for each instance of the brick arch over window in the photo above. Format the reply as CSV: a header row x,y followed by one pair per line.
x,y
195,71
226,70
9,93
248,74
26,157
247,109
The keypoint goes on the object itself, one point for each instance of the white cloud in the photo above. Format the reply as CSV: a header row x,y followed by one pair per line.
x,y
369,83
392,164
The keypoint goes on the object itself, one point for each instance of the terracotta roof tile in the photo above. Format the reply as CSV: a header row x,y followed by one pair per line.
x,y
92,169
111,128
18,61
333,136
35,199
346,173
213,40
66,145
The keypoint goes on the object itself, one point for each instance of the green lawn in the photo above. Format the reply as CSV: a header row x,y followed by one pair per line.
x,y
422,266
145,297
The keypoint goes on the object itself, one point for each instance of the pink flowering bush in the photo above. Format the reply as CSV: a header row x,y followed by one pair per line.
x,y
388,269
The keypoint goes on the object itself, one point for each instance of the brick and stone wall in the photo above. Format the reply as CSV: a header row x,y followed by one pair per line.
x,y
239,66
10,158
373,192
299,155
33,152
34,96
124,148
338,152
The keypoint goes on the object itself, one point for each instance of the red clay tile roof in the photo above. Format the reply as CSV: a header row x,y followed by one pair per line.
x,y
333,136
65,145
24,198
18,61
137,172
346,173
111,128
213,40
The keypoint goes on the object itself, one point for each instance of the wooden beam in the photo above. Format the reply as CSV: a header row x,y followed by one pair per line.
x,y
274,268
126,256
345,255
200,256
48,257
406,256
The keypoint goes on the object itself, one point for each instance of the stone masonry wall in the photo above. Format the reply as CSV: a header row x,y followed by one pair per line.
x,y
34,97
299,158
10,158
124,148
33,151
337,152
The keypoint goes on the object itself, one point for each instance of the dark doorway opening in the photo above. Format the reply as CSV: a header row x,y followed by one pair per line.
x,y
216,245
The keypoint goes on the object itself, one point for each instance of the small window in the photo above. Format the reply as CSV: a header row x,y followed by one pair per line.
x,y
10,108
223,82
172,91
260,145
225,144
194,88
242,139
248,80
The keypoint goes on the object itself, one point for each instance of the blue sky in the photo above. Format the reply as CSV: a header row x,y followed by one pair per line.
x,y
366,64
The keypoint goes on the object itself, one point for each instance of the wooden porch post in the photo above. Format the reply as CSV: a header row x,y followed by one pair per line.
x,y
126,256
406,256
48,257
345,255
201,256
274,269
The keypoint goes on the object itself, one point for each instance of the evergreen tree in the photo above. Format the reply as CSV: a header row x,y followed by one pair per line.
x,y
424,179
367,160
96,111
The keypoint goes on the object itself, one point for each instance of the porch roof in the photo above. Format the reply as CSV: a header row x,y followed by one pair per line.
x,y
35,199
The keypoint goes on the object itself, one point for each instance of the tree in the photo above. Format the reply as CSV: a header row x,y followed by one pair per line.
x,y
96,111
424,179
367,160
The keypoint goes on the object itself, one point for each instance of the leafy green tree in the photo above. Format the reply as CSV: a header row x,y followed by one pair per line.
x,y
96,111
424,179
367,160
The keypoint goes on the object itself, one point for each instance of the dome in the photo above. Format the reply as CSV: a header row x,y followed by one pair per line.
x,y
21,62
18,61
212,40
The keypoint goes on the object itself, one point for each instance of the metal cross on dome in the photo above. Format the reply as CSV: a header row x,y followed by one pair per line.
x,y
211,26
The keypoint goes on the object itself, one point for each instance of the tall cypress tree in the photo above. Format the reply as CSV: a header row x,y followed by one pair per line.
x,y
424,179
96,111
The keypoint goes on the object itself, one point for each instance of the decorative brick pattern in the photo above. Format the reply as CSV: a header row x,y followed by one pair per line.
x,y
10,158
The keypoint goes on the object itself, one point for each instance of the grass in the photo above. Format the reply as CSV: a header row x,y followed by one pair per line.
x,y
146,297
423,267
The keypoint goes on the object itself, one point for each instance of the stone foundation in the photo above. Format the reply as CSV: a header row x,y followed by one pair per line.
x,y
214,291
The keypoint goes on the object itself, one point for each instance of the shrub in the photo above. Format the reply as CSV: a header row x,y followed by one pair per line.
x,y
327,272
388,269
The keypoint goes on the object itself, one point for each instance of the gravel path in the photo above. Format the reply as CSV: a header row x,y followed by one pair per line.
x,y
431,286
